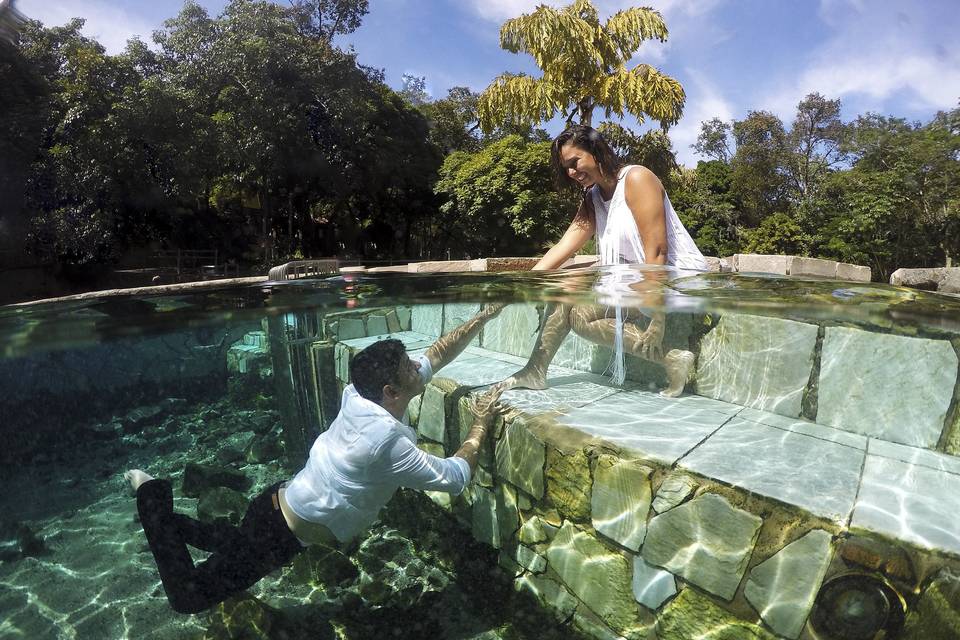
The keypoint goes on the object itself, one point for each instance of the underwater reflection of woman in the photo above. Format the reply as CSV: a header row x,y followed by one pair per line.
x,y
630,213
353,470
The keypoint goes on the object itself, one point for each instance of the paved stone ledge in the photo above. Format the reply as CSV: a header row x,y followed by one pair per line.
x,y
601,497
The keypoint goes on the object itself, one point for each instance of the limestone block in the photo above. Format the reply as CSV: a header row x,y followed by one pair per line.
x,y
480,264
484,523
377,324
432,420
783,588
813,267
757,362
427,319
600,578
548,592
530,559
514,331
413,410
652,586
521,457
455,314
405,315
568,483
621,500
864,388
713,264
758,263
853,272
691,616
440,266
591,626
508,514
393,321
532,531
706,541
349,328
676,488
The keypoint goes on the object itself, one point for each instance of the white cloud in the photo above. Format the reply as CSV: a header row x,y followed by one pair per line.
x,y
704,101
108,23
875,54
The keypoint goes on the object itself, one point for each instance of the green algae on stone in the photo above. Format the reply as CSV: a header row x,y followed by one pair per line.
x,y
568,483
242,618
691,616
599,577
937,613
548,592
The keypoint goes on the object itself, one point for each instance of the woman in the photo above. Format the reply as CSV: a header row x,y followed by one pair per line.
x,y
629,212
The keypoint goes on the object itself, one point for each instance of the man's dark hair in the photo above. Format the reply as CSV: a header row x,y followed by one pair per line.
x,y
588,139
376,366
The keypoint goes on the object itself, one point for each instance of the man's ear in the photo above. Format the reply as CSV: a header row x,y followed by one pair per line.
x,y
390,392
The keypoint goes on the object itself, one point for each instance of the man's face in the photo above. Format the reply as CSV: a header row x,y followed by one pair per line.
x,y
410,383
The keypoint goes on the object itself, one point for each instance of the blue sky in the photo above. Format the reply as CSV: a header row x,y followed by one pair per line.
x,y
895,57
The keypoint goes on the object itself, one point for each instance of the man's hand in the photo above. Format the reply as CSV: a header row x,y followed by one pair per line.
x,y
486,407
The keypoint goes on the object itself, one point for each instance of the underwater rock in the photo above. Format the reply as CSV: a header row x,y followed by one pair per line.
x,y
530,559
600,578
242,618
548,592
943,279
706,541
484,522
508,514
758,362
676,488
221,502
513,331
784,587
936,615
568,483
198,478
229,453
140,418
532,531
324,567
621,500
862,387
521,457
651,586
264,449
691,616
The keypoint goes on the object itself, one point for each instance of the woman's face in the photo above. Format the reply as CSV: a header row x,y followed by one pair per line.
x,y
580,164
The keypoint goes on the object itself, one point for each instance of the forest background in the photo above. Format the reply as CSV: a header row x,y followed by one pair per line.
x,y
253,134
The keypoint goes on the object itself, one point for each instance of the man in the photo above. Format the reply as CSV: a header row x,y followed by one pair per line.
x,y
353,470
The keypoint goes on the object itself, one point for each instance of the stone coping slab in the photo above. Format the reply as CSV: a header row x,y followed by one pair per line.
x,y
904,492
817,475
909,502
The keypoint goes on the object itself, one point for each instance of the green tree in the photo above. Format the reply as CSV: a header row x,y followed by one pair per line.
x,y
703,200
499,200
584,66
714,140
758,178
652,149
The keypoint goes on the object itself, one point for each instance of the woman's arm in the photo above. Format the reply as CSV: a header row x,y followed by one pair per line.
x,y
644,195
575,237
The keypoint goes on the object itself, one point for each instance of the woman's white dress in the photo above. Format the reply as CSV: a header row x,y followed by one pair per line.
x,y
618,242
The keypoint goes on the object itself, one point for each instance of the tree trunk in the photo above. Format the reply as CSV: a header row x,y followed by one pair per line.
x,y
586,111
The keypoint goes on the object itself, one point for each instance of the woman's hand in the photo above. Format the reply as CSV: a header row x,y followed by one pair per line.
x,y
486,408
651,340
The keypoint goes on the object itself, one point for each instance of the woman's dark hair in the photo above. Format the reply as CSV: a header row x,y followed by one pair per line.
x,y
588,139
376,366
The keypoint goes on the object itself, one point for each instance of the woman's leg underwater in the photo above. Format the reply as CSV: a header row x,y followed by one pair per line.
x,y
593,323
556,326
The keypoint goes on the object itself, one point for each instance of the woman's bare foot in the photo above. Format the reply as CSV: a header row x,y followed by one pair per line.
x,y
525,379
679,366
136,477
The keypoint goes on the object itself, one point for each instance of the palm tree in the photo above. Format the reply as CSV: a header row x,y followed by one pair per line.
x,y
584,66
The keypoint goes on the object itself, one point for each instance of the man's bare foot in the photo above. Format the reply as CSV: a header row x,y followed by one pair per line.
x,y
679,366
525,379
136,477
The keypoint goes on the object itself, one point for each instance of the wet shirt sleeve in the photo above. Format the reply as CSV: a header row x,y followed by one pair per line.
x,y
426,369
414,468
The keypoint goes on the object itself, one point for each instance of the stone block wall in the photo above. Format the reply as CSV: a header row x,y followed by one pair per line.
x,y
627,546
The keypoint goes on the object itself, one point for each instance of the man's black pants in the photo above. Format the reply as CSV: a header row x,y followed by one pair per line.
x,y
241,555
